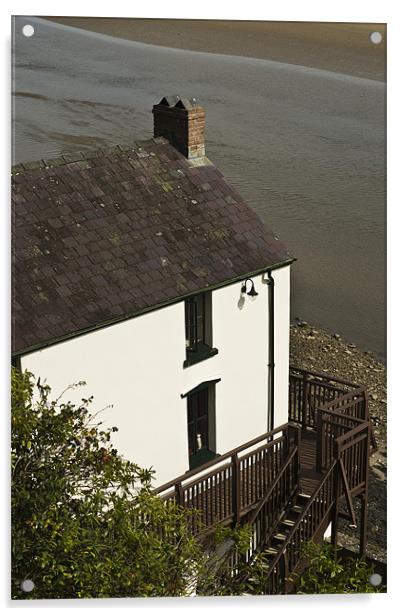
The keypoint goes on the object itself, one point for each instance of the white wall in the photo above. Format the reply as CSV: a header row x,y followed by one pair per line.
x,y
137,366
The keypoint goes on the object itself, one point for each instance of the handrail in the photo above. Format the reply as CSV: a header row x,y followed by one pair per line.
x,y
326,411
341,443
335,416
323,375
301,517
219,459
265,530
344,437
308,390
286,464
344,400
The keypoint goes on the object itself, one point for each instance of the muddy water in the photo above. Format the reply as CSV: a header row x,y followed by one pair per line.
x,y
305,147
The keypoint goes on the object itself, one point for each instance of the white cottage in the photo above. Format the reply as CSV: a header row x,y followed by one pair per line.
x,y
140,270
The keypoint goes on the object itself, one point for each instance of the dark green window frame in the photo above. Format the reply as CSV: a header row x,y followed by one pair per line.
x,y
198,328
201,423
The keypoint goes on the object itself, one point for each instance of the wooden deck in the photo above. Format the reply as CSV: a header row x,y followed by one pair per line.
x,y
309,476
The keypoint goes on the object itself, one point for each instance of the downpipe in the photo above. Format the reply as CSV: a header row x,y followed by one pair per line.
x,y
269,281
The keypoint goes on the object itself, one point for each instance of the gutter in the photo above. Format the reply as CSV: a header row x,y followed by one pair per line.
x,y
50,342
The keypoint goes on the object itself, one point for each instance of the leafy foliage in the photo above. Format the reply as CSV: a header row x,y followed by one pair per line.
x,y
328,573
226,570
84,520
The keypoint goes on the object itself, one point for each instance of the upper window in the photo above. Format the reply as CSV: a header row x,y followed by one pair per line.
x,y
198,328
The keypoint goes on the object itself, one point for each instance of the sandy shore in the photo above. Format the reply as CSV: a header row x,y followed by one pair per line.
x,y
338,47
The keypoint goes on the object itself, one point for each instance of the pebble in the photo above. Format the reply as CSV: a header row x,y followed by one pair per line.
x,y
337,337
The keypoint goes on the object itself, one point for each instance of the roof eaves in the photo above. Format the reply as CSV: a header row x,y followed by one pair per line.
x,y
122,318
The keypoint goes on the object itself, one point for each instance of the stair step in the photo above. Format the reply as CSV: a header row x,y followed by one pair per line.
x,y
288,522
271,551
279,537
303,495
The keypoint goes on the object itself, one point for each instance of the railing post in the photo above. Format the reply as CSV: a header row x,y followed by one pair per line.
x,y
179,494
298,437
286,433
364,525
285,573
296,431
366,405
236,488
364,498
320,440
334,522
305,400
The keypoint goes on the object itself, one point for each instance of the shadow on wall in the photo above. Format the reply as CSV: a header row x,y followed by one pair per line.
x,y
241,301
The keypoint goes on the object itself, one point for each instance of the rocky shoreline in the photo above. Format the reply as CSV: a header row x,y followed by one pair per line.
x,y
314,349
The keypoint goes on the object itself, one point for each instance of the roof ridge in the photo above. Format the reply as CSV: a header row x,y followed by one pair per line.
x,y
78,156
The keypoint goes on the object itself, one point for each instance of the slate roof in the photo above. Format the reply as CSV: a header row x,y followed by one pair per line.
x,y
102,236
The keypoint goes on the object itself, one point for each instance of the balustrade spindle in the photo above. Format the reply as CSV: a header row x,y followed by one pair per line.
x,y
236,488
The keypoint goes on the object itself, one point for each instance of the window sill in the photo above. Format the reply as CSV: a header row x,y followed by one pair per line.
x,y
203,352
201,457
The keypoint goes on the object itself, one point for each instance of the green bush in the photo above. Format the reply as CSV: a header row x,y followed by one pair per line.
x,y
84,520
329,573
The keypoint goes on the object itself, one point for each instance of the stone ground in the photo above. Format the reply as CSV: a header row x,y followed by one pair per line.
x,y
315,349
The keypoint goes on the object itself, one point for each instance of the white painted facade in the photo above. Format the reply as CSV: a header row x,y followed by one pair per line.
x,y
137,366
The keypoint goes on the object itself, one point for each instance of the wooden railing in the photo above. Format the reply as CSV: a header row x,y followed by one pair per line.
x,y
226,488
340,416
266,517
346,476
330,406
353,404
330,426
352,451
345,439
308,526
309,390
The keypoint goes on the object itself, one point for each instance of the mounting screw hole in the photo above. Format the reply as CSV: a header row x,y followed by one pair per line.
x,y
27,585
376,38
28,30
375,579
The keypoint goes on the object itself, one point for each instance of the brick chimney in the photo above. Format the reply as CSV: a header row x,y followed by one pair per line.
x,y
182,122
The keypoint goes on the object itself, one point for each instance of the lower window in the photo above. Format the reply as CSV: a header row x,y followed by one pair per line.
x,y
201,424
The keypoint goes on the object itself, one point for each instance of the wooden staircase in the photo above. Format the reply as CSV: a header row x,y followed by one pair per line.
x,y
333,467
289,484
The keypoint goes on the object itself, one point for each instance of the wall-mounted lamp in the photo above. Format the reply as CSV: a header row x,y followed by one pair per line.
x,y
252,293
